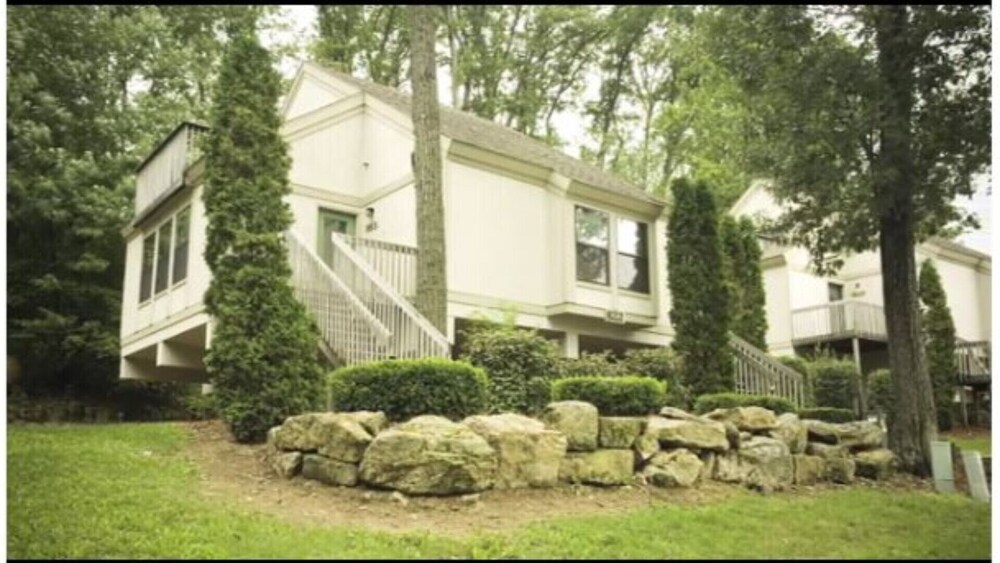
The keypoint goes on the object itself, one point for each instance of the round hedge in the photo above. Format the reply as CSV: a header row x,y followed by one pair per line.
x,y
403,389
828,414
613,396
710,402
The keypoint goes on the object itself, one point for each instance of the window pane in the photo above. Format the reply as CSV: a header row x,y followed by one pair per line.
x,y
181,245
591,264
592,227
163,257
633,273
632,237
146,277
836,292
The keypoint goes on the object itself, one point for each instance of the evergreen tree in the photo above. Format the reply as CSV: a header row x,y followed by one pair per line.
x,y
699,298
263,359
741,258
939,334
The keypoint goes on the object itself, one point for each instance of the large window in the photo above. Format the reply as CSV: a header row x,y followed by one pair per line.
x,y
633,256
163,256
146,277
181,236
592,245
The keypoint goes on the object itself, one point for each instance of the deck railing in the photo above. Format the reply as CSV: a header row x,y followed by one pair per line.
x,y
973,359
757,373
164,169
840,319
396,263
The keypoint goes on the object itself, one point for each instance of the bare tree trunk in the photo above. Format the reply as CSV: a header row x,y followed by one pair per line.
x,y
432,286
914,419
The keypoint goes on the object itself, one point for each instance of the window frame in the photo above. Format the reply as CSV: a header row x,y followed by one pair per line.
x,y
187,243
606,249
152,268
159,243
829,286
645,257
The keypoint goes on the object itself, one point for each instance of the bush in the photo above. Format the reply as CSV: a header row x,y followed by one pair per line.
x,y
591,363
710,402
828,414
663,365
403,389
613,396
202,406
519,364
835,382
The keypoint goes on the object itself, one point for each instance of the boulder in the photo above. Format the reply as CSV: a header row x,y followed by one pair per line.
x,y
820,431
792,432
727,468
839,470
329,471
619,432
676,468
576,420
860,435
766,463
601,467
429,455
645,447
707,465
677,414
528,454
747,419
296,433
339,436
695,434
372,422
286,464
874,464
808,469
825,451
733,435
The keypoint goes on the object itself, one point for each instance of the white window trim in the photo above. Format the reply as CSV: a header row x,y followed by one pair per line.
x,y
613,218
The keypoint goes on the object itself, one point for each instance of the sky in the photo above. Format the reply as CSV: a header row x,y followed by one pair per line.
x,y
572,127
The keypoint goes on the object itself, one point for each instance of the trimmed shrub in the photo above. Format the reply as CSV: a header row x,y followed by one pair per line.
x,y
712,401
513,358
880,396
403,389
592,363
613,396
828,414
663,365
835,382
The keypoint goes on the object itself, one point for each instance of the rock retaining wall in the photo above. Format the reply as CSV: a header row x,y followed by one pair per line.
x,y
571,443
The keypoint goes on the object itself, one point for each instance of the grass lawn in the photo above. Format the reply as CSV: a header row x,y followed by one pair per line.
x,y
126,490
972,441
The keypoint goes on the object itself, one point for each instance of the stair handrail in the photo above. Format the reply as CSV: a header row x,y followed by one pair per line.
x,y
771,369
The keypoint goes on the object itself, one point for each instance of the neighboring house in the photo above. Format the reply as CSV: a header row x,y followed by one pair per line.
x,y
844,312
578,253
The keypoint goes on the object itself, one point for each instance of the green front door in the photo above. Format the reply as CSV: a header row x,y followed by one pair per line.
x,y
332,222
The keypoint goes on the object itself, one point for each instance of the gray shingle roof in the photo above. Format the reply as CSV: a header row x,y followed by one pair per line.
x,y
483,133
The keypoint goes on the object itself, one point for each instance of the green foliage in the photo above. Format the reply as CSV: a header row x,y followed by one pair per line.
x,y
592,363
700,301
939,334
263,360
712,401
801,365
828,414
513,358
835,382
663,365
613,396
880,396
741,261
403,389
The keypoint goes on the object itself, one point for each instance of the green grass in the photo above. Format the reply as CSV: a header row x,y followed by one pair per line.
x,y
125,490
979,444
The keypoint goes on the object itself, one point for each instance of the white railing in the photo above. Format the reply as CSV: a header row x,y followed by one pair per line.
x,y
348,327
165,169
757,373
973,358
412,335
840,319
396,263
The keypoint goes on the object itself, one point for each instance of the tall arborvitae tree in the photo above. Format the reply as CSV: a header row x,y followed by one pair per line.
x,y
741,255
699,299
432,283
263,356
939,333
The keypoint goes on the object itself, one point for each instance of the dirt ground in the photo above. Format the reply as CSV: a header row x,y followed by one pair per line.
x,y
231,472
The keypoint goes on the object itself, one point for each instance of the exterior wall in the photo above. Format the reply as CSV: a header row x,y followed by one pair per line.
x,y
778,310
330,158
968,294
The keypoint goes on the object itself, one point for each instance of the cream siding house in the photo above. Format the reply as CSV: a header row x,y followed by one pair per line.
x,y
579,254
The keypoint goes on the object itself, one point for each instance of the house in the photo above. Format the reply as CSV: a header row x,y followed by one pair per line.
x,y
578,253
844,312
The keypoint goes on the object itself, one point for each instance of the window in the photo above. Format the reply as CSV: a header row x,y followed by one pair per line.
x,y
633,256
836,292
163,256
146,277
592,245
181,237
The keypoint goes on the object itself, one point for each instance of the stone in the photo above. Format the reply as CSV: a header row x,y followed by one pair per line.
x,y
808,469
617,432
528,454
645,447
745,436
295,433
399,498
727,468
820,431
766,463
372,422
676,468
747,419
340,436
825,451
601,467
576,420
429,455
860,435
839,470
329,471
792,432
733,435
874,464
707,465
286,464
695,434
677,414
